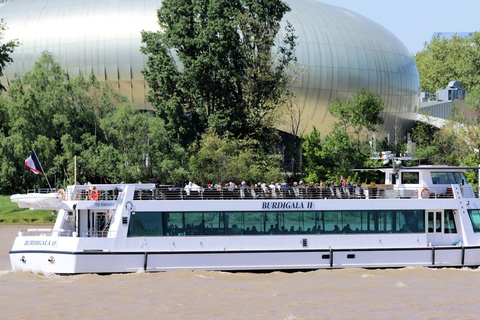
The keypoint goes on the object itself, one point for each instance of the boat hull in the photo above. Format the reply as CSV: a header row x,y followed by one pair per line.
x,y
62,262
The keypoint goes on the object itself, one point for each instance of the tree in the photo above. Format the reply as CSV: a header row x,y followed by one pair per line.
x,y
343,147
224,159
6,48
444,60
312,153
362,114
226,77
56,115
62,117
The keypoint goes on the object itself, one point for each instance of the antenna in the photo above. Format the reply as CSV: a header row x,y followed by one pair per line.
x,y
388,156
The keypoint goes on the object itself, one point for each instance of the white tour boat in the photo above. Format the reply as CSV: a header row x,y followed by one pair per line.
x,y
421,216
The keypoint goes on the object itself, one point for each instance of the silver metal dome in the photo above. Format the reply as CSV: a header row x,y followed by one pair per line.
x,y
344,51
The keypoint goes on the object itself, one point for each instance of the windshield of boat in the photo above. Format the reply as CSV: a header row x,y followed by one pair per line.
x,y
447,177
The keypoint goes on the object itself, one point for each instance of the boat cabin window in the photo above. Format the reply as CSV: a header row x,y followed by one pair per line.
x,y
475,218
147,224
409,177
447,177
436,225
449,225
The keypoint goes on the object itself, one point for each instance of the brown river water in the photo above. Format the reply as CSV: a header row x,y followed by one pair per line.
x,y
410,293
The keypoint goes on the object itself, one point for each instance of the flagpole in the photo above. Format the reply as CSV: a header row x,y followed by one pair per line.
x,y
42,170
75,171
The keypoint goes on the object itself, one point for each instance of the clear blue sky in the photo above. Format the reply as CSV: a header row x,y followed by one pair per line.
x,y
414,21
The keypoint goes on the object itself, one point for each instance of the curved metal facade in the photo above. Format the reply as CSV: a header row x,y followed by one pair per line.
x,y
343,50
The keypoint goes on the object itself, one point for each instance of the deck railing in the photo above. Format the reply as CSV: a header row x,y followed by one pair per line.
x,y
384,192
175,193
45,232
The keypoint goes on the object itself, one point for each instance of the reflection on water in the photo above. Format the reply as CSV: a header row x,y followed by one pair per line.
x,y
416,293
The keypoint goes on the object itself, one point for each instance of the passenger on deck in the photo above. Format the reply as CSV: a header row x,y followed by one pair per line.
x,y
257,191
350,189
336,229
343,182
359,191
302,189
155,179
231,187
266,190
311,187
285,189
244,189
295,189
273,189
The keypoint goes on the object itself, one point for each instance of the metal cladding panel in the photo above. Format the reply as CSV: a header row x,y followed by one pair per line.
x,y
344,51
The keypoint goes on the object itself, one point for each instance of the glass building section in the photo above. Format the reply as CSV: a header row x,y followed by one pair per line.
x,y
344,51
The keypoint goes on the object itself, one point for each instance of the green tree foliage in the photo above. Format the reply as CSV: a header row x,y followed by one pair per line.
x,y
343,147
362,114
61,118
224,159
444,60
211,66
457,142
312,153
6,48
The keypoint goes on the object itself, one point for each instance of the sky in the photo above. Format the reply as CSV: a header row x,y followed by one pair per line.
x,y
414,21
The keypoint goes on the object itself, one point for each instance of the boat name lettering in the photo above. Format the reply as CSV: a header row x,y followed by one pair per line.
x,y
287,205
48,243
104,204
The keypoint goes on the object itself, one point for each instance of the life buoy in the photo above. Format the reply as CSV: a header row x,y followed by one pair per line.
x,y
62,192
422,193
93,194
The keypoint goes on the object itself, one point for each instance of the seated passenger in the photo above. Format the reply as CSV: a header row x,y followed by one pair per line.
x,y
336,229
347,229
405,229
272,229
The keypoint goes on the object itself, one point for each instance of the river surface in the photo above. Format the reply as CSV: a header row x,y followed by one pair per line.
x,y
410,293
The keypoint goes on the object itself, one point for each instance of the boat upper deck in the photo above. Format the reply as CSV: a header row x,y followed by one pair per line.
x,y
169,192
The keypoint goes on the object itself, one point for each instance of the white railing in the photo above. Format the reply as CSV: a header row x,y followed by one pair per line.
x,y
99,234
45,232
380,192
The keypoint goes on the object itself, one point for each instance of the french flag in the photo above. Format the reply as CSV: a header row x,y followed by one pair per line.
x,y
33,163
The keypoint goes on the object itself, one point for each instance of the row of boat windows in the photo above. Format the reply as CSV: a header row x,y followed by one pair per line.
x,y
146,224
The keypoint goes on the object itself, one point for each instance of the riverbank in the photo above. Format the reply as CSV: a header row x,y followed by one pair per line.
x,y
11,213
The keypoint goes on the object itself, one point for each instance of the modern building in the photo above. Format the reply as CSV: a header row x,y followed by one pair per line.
x,y
343,50
440,109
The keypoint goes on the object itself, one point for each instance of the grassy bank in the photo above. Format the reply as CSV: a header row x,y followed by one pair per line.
x,y
11,213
